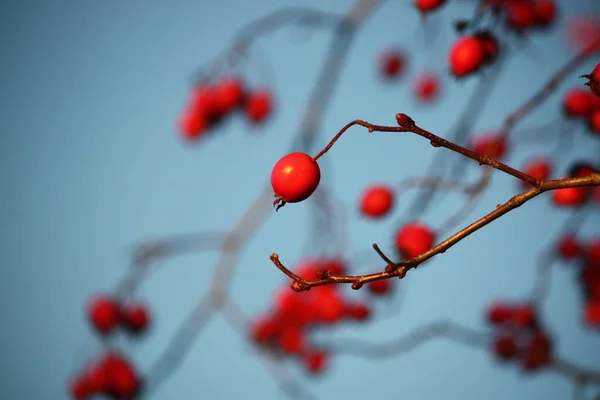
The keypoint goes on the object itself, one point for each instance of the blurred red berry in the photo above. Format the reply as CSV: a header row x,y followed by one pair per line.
x,y
315,361
358,311
519,15
413,239
568,247
135,317
392,64
592,313
489,46
426,87
490,145
544,12
466,56
259,105
79,389
379,287
569,197
103,313
539,168
377,201
577,103
426,6
499,313
229,94
505,348
523,316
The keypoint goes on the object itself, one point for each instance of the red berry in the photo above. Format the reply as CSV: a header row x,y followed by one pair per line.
x,y
594,122
539,168
295,177
264,330
592,253
426,87
569,197
103,313
499,313
413,239
505,348
192,124
79,389
330,307
538,352
377,201
425,6
489,46
229,93
577,103
259,105
291,340
568,247
379,287
524,316
466,56
136,318
490,145
519,15
123,381
316,361
358,311
97,378
392,64
581,169
544,12
582,30
592,313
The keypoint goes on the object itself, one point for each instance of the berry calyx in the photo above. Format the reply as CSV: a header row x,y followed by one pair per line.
x,y
294,178
594,79
466,56
377,201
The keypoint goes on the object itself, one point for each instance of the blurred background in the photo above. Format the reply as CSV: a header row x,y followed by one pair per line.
x,y
92,164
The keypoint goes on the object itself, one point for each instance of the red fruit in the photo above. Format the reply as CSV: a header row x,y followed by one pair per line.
x,y
466,56
295,177
577,103
544,12
505,348
358,311
329,306
489,46
202,102
524,317
592,313
79,389
581,169
593,122
538,352
377,201
229,93
103,313
192,124
135,317
379,287
499,313
539,168
97,378
316,361
123,381
264,330
259,105
291,340
569,197
425,6
592,253
392,64
334,266
426,87
582,30
519,15
490,145
413,239
568,247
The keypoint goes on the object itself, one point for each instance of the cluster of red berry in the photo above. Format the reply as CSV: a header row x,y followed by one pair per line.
x,y
579,103
287,327
587,257
210,103
113,375
518,335
523,15
472,52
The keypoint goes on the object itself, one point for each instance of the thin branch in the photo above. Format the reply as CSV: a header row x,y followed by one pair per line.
x,y
574,372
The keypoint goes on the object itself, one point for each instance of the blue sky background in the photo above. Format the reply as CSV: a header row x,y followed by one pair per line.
x,y
91,163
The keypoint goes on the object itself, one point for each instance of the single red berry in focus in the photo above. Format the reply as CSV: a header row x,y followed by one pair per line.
x,y
259,105
569,197
539,168
499,313
569,247
466,56
315,361
576,103
392,64
379,287
519,15
490,145
426,87
426,6
135,317
103,313
413,239
295,177
592,313
489,46
377,201
544,12
79,389
505,348
229,93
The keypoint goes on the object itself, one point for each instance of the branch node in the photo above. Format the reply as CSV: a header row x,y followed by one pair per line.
x,y
404,120
357,285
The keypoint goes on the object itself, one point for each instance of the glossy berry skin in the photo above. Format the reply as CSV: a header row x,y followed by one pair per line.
x,y
377,201
426,6
392,64
539,168
426,87
136,318
413,239
103,313
259,105
577,103
544,12
295,177
466,56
